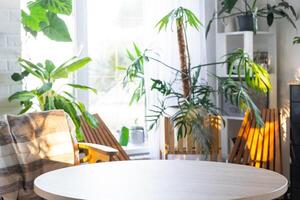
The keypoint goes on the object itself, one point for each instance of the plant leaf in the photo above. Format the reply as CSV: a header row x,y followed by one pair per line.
x,y
22,96
59,6
83,87
49,66
270,19
57,29
88,117
78,64
45,87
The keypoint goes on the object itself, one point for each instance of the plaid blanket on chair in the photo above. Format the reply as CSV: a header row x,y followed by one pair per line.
x,y
30,145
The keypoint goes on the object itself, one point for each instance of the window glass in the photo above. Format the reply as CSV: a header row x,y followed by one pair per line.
x,y
113,26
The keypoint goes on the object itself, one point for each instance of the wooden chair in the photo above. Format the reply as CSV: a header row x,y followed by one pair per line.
x,y
96,152
259,147
103,136
187,145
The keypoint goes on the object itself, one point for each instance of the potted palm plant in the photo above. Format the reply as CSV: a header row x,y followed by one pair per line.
x,y
192,104
247,13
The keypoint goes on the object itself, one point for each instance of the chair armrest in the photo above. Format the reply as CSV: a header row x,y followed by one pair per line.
x,y
97,152
97,147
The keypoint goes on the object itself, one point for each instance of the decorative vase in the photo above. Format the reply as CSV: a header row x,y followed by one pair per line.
x,y
247,22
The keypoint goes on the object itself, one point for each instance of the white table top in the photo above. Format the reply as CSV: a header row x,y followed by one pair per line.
x,y
160,180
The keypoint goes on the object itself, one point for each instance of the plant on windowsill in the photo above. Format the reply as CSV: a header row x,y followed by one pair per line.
x,y
189,107
47,97
247,16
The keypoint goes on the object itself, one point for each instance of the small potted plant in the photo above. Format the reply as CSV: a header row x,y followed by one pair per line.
x,y
247,13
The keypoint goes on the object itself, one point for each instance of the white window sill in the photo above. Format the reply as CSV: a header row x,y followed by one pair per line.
x,y
137,151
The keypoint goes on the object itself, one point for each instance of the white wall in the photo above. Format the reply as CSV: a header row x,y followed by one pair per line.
x,y
288,56
10,50
288,70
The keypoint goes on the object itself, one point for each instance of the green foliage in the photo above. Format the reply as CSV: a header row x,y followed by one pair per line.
x,y
256,76
124,137
238,95
182,14
135,73
296,40
47,97
229,8
228,5
189,113
43,16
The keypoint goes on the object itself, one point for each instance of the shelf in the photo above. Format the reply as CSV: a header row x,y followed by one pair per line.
x,y
243,32
132,150
233,118
232,76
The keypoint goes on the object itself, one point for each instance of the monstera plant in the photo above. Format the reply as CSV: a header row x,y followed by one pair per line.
x,y
49,94
43,16
189,106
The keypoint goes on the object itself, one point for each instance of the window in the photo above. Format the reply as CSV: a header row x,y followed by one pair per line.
x,y
112,27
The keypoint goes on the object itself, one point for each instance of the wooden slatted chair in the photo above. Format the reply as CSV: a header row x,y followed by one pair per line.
x,y
103,136
187,145
259,147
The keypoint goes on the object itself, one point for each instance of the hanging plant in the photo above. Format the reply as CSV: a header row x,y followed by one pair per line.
x,y
43,16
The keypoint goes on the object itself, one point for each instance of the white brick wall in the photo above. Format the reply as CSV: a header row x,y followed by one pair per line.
x,y
10,50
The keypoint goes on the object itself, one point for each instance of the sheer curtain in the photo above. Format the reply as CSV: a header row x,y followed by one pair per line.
x,y
165,43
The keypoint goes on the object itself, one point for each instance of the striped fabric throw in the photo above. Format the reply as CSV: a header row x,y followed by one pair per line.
x,y
30,145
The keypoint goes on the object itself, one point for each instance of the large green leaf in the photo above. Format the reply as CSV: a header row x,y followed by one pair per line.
x,y
36,19
19,76
33,69
61,102
57,29
26,107
69,66
229,5
22,96
78,64
89,118
45,88
49,66
82,87
59,6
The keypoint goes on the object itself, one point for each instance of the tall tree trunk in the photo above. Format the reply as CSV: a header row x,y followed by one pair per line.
x,y
183,57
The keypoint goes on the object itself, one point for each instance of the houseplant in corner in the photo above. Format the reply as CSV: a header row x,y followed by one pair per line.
x,y
189,107
247,13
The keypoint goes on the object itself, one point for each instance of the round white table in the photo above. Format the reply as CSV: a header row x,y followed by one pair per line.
x,y
160,180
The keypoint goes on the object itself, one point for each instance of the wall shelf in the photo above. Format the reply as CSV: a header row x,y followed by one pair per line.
x,y
259,45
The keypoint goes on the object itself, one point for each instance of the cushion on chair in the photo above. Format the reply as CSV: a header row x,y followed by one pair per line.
x,y
30,145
